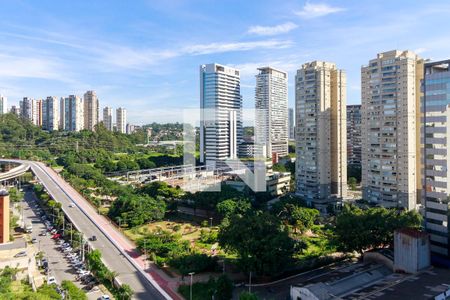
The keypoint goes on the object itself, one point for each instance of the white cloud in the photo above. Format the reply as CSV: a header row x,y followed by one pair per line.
x,y
420,50
315,10
236,46
30,67
272,30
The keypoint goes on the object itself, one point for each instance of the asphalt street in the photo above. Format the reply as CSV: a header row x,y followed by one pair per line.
x,y
112,257
58,265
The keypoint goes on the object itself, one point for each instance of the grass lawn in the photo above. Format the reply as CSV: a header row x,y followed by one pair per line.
x,y
189,231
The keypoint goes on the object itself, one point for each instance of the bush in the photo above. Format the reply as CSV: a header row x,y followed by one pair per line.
x,y
193,263
221,289
73,291
247,296
208,237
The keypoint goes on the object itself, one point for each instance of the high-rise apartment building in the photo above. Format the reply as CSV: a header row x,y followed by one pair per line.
x,y
3,105
28,110
221,113
354,135
38,120
15,110
321,136
271,104
390,90
291,124
108,118
91,110
436,154
62,113
73,113
50,113
121,120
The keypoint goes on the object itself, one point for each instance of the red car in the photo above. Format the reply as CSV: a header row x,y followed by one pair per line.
x,y
56,236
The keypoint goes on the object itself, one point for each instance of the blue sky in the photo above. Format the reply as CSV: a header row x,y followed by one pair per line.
x,y
145,55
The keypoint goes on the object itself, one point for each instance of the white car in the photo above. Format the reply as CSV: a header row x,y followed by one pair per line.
x,y
105,297
84,273
51,280
72,205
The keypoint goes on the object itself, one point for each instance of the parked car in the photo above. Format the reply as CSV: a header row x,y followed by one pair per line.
x,y
68,249
51,280
93,238
104,297
34,241
21,254
56,236
81,270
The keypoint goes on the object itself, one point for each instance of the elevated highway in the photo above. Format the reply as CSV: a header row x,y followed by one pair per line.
x,y
117,252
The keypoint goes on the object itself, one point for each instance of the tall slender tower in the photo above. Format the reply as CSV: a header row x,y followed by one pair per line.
x,y
436,154
74,113
221,113
108,118
3,105
50,114
354,135
271,103
91,110
121,120
291,124
62,113
38,117
390,93
321,137
28,109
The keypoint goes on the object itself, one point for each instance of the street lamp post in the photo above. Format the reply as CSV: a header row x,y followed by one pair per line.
x,y
210,222
191,274
250,283
145,254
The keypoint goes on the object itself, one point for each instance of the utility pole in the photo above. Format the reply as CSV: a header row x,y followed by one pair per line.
x,y
250,283
191,274
145,254
82,247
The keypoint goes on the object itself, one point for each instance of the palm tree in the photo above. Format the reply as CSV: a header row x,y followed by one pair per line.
x,y
111,275
125,292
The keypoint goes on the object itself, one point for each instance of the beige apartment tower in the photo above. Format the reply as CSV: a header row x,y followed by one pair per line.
x,y
107,118
321,133
390,117
121,120
91,110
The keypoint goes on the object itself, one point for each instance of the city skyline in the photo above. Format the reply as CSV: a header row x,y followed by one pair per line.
x,y
151,64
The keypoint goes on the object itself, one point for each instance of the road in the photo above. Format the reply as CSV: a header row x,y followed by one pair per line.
x,y
116,250
58,265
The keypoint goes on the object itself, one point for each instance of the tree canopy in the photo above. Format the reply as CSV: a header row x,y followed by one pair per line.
x,y
261,243
359,230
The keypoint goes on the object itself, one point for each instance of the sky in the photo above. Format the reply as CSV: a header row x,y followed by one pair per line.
x,y
144,55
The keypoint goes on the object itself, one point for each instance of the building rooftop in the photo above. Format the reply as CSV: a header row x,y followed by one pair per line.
x,y
413,232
